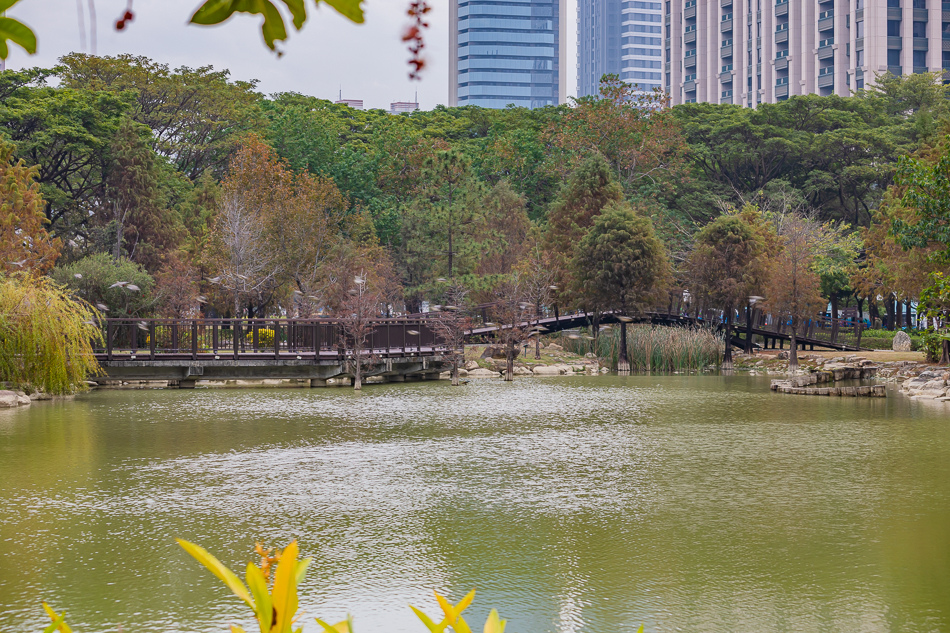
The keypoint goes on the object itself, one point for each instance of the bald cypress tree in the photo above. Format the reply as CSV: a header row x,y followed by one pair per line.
x,y
620,264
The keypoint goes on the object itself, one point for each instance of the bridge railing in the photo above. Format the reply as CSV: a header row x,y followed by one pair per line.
x,y
277,338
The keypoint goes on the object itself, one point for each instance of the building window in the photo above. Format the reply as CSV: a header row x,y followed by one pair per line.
x,y
893,28
893,4
859,58
920,59
859,29
893,57
920,29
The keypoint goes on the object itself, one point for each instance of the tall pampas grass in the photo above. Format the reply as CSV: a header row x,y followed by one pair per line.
x,y
652,348
46,336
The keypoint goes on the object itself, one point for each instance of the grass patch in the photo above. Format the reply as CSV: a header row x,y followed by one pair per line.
x,y
649,347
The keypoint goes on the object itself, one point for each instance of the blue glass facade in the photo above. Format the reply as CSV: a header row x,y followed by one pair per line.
x,y
507,52
621,37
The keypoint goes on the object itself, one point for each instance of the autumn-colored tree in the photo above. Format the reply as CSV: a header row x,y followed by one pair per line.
x,y
177,289
727,266
794,284
503,231
25,245
535,272
634,130
621,265
590,188
245,261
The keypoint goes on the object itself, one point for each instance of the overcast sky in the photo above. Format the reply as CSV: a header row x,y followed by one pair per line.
x,y
367,61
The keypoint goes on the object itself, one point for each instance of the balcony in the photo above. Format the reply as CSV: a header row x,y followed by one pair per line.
x,y
726,51
920,44
725,3
825,24
781,63
781,91
894,14
781,36
826,81
895,70
689,38
689,61
920,15
725,26
781,8
826,52
689,12
920,70
689,86
895,43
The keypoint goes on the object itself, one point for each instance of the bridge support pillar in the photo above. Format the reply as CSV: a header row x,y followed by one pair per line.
x,y
396,378
318,382
187,383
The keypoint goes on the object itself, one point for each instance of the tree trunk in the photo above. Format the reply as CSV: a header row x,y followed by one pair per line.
x,y
727,355
510,362
889,313
748,328
910,316
357,371
945,353
793,349
537,336
623,363
834,317
455,373
860,301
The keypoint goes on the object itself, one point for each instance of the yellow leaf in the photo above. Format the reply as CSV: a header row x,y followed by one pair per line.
x,y
432,626
494,624
218,569
236,629
340,627
285,588
59,620
264,608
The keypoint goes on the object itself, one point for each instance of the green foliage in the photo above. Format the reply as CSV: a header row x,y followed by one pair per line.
x,y
620,263
930,344
12,30
928,193
273,27
46,336
123,287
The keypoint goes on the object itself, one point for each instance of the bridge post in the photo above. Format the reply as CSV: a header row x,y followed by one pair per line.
x,y
318,382
186,383
396,378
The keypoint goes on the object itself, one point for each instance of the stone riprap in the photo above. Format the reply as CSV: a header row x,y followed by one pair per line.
x,y
928,385
10,399
805,385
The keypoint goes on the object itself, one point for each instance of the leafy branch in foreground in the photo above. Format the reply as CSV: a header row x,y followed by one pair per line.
x,y
14,31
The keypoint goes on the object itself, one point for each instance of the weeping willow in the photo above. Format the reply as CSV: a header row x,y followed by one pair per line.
x,y
46,336
652,348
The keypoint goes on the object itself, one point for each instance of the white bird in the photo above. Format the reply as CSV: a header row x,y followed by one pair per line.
x,y
18,264
202,299
119,284
73,243
102,307
297,292
441,280
132,287
358,280
78,275
413,332
215,280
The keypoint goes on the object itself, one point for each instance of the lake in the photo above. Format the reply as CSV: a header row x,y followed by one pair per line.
x,y
686,503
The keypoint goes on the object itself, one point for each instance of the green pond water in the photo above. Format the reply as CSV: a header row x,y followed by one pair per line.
x,y
700,503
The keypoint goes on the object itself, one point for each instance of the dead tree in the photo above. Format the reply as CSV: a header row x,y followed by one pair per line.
x,y
357,321
450,326
512,312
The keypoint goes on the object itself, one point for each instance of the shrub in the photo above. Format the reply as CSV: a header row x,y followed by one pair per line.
x,y
931,342
46,336
94,279
265,337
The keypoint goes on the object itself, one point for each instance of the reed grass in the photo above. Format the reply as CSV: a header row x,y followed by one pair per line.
x,y
46,336
652,348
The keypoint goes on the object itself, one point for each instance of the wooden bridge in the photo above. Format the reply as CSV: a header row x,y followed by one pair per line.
x,y
186,350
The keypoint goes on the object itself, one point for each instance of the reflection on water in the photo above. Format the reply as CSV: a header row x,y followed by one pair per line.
x,y
595,504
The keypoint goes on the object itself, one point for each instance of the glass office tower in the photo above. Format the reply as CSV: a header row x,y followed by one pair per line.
x,y
619,37
507,52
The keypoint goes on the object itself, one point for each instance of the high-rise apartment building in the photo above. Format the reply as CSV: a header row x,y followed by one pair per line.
x,y
620,37
762,51
507,52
